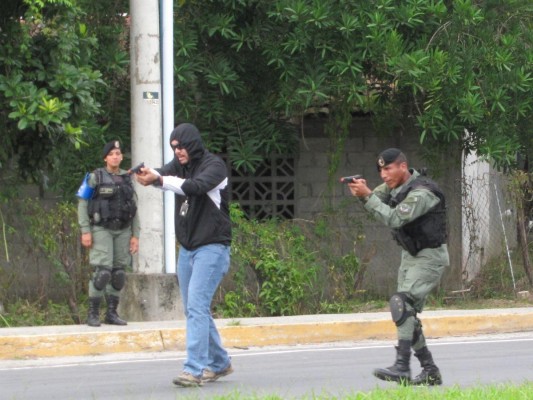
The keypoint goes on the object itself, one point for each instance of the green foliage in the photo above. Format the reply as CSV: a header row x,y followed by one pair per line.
x,y
494,280
106,23
4,230
281,262
485,89
25,313
56,233
248,71
47,84
520,192
64,81
439,67
8,275
287,268
225,85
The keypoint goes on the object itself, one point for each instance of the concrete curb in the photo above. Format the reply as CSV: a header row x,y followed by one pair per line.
x,y
82,340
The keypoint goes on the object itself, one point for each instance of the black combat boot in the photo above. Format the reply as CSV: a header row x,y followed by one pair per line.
x,y
111,316
430,375
93,315
400,371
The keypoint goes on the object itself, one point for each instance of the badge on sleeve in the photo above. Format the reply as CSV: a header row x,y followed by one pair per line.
x,y
405,209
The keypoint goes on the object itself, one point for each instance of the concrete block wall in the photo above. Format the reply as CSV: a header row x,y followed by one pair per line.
x,y
156,296
359,155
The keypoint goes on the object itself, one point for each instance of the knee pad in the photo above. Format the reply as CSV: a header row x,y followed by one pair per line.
x,y
101,278
118,278
398,308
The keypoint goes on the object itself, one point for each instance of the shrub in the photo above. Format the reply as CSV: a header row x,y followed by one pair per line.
x,y
286,267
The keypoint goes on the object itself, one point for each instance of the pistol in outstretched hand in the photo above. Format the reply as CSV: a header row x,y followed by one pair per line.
x,y
349,179
136,169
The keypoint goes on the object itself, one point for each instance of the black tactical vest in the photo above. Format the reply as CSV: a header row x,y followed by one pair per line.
x,y
428,230
112,205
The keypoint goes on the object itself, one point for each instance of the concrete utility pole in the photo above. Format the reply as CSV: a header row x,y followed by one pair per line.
x,y
146,128
151,292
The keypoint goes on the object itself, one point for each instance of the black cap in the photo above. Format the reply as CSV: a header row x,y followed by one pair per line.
x,y
114,144
388,156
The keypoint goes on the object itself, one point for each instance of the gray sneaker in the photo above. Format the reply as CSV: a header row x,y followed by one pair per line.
x,y
211,376
187,379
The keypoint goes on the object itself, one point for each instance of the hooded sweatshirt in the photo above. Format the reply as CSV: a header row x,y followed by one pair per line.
x,y
202,185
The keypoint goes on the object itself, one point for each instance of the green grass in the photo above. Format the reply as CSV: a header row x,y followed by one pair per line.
x,y
489,392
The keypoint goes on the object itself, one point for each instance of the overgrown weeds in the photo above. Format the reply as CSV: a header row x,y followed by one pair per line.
x,y
289,267
25,313
286,267
35,294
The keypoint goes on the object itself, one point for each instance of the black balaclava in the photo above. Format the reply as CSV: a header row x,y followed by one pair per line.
x,y
189,137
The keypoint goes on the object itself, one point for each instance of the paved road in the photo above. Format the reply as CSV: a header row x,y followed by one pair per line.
x,y
295,371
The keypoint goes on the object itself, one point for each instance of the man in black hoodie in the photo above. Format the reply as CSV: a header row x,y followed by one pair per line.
x,y
203,230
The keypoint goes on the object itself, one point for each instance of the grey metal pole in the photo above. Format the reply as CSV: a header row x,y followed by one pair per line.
x,y
146,128
167,52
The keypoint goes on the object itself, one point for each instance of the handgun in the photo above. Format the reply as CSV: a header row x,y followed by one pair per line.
x,y
136,169
349,179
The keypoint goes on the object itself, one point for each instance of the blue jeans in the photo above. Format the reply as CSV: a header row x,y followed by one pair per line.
x,y
199,273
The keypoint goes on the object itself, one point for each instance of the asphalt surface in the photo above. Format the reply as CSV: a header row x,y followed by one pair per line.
x,y
160,336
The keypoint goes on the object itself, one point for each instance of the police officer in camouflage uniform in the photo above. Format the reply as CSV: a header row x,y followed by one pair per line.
x,y
110,229
414,208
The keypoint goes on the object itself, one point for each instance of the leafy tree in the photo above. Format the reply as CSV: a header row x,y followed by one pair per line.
x,y
479,78
64,83
224,81
47,83
441,67
109,23
248,71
